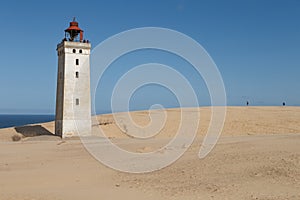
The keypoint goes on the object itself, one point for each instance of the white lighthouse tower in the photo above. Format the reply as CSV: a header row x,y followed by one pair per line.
x,y
73,99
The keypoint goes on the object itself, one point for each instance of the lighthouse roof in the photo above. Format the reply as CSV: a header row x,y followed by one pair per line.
x,y
73,27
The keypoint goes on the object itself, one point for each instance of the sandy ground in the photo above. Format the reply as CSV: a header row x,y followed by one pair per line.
x,y
257,157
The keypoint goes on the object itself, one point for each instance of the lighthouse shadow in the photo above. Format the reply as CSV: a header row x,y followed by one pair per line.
x,y
33,130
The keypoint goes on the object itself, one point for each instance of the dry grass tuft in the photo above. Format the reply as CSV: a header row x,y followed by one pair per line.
x,y
16,138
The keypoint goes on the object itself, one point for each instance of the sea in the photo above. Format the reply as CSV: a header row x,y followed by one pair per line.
x,y
20,120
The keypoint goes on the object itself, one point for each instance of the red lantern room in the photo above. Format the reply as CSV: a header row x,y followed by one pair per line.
x,y
71,33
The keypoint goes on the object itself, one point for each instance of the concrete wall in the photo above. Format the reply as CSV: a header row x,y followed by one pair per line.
x,y
72,119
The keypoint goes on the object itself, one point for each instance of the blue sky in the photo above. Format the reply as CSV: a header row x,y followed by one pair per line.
x,y
254,43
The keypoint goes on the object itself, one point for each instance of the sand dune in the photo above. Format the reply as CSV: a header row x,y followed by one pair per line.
x,y
239,121
257,157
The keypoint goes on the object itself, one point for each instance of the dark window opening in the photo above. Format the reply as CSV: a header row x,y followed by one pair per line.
x,y
77,74
74,50
77,102
80,51
77,61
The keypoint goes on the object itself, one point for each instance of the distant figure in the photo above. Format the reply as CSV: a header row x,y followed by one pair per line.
x,y
247,103
283,104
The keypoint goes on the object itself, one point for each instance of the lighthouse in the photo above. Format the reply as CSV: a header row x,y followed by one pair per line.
x,y
73,99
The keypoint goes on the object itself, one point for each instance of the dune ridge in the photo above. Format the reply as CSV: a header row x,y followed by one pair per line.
x,y
239,121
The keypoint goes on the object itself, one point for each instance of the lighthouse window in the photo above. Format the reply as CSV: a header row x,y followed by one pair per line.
x,y
77,61
77,74
77,102
80,51
74,50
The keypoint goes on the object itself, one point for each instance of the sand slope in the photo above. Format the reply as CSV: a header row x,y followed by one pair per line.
x,y
257,157
239,121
